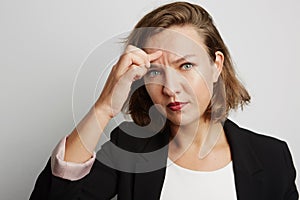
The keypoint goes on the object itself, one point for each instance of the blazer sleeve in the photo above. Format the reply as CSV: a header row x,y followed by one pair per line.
x,y
100,183
291,192
69,170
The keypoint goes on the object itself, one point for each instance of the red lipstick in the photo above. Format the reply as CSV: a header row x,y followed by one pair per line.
x,y
176,106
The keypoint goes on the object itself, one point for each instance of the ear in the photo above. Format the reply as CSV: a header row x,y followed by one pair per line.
x,y
218,64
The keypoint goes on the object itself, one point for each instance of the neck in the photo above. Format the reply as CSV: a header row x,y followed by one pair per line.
x,y
199,137
191,134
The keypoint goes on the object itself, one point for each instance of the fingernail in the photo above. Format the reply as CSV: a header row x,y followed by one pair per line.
x,y
148,64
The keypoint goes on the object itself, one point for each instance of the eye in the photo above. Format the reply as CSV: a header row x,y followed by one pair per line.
x,y
187,66
153,73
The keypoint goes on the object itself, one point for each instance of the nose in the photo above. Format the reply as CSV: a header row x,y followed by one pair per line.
x,y
171,85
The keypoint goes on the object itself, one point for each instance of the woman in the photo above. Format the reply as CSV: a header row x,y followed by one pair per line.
x,y
177,81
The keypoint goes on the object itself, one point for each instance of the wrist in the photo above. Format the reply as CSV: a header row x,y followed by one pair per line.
x,y
102,111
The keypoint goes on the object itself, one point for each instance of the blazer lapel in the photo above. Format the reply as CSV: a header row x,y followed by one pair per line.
x,y
248,170
148,185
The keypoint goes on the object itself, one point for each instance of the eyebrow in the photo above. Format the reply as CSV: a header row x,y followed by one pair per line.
x,y
184,58
179,60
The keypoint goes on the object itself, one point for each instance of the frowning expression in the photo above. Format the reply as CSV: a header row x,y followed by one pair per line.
x,y
180,82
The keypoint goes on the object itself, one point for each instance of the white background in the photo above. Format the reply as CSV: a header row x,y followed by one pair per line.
x,y
43,44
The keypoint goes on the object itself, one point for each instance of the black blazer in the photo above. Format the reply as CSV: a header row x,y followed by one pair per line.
x,y
263,170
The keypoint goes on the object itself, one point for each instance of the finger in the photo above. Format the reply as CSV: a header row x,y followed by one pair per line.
x,y
154,56
136,59
131,48
148,57
134,73
130,59
137,51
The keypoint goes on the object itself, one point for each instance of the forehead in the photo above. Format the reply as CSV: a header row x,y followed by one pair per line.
x,y
177,40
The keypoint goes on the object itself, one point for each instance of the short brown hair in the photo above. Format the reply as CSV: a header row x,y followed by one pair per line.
x,y
227,95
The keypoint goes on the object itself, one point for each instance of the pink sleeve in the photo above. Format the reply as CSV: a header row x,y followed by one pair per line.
x,y
68,170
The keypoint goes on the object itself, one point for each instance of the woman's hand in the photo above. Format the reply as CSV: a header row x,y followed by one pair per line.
x,y
131,66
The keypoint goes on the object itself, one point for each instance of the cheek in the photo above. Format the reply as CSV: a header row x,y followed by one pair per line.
x,y
156,97
154,92
203,96
199,91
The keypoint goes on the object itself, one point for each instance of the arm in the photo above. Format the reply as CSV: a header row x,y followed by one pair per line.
x,y
68,170
101,181
81,143
291,193
131,66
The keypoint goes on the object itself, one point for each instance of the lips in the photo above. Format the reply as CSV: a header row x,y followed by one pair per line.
x,y
176,106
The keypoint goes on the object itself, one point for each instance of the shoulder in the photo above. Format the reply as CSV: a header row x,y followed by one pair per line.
x,y
259,140
262,139
268,152
269,148
272,153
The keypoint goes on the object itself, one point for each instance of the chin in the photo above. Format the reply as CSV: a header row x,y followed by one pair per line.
x,y
184,121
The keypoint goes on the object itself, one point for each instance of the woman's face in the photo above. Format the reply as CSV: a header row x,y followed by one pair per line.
x,y
180,82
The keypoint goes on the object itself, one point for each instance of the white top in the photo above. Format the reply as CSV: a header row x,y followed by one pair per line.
x,y
181,183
